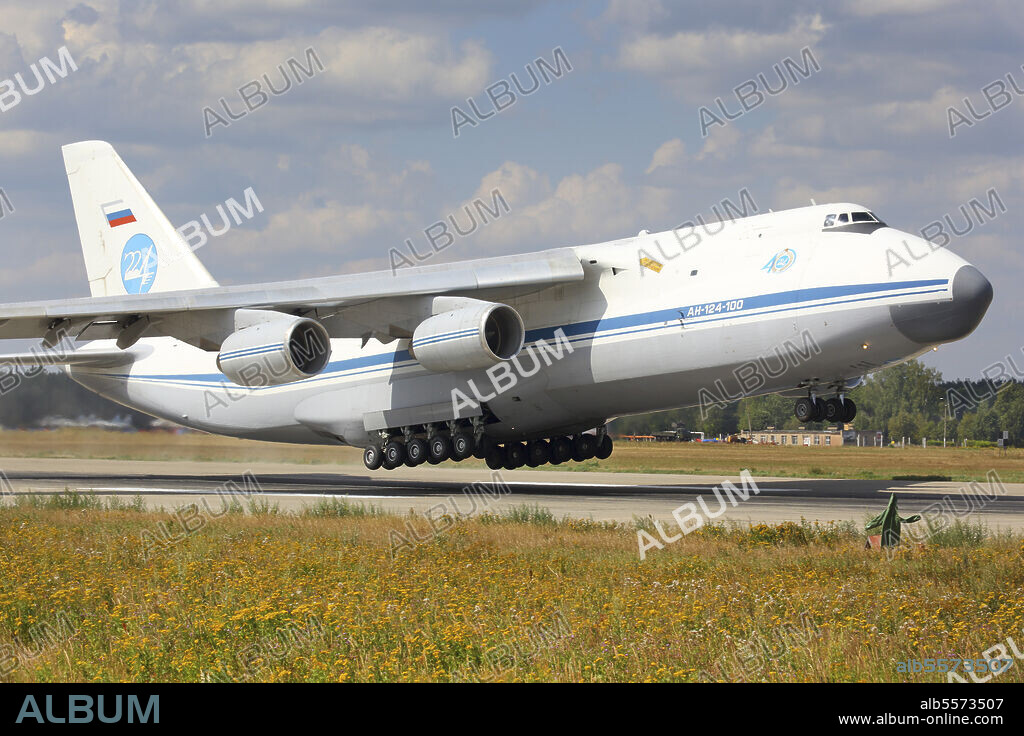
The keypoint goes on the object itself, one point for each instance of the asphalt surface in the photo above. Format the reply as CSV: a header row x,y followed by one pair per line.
x,y
600,496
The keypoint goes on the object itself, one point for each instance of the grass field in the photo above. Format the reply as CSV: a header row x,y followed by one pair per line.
x,y
89,593
718,459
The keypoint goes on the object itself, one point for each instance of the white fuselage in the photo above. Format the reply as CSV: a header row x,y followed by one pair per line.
x,y
763,304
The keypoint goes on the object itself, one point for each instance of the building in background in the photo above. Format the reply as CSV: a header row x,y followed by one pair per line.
x,y
827,437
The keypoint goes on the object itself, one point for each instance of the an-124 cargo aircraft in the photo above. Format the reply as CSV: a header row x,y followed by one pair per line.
x,y
518,359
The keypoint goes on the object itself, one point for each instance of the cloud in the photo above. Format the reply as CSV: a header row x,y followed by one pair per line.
x,y
364,75
669,154
694,62
721,143
633,13
596,206
873,8
766,144
792,192
520,185
375,63
317,229
20,143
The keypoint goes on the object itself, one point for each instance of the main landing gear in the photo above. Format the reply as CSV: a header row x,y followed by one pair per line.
x,y
555,450
460,442
814,409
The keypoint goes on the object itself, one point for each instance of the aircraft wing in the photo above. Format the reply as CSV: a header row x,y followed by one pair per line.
x,y
382,304
90,358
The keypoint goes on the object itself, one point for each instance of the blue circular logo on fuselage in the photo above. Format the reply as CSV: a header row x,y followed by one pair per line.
x,y
138,264
780,261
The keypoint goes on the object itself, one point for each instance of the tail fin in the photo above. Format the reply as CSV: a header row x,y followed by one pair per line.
x,y
130,246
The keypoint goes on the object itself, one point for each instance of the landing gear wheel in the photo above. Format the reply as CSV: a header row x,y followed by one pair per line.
x,y
537,453
604,448
483,448
561,450
372,457
495,458
462,446
515,455
833,410
849,411
583,447
394,454
439,449
415,452
804,410
819,410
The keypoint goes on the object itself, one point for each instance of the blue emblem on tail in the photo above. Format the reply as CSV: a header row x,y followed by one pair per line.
x,y
138,264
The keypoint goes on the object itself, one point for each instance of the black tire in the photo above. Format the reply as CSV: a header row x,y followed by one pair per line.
x,y
804,410
462,446
495,457
415,452
537,453
561,450
439,449
833,410
482,448
583,447
819,410
515,455
394,454
849,411
372,457
604,448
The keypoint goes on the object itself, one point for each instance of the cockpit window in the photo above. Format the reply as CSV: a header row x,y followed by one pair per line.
x,y
862,222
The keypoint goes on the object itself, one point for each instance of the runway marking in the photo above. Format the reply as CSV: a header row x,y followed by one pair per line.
x,y
526,484
213,492
666,487
517,483
926,489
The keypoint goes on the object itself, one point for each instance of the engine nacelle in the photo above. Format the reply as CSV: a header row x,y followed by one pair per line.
x,y
475,336
275,352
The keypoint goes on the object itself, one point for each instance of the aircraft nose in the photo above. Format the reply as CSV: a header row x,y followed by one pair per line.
x,y
946,321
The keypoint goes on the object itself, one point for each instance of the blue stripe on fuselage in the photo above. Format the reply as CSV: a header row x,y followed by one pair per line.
x,y
614,326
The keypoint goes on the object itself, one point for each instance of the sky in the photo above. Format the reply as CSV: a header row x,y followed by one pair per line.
x,y
363,155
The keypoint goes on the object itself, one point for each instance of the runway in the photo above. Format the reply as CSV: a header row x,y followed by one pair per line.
x,y
448,488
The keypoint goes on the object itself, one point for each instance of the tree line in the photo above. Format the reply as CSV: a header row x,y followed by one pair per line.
x,y
33,397
907,400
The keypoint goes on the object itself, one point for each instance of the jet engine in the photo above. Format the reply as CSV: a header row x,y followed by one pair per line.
x,y
474,336
275,352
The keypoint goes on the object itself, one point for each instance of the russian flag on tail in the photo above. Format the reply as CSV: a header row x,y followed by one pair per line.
x,y
117,213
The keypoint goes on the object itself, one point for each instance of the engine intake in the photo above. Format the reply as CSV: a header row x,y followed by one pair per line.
x,y
476,336
275,352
